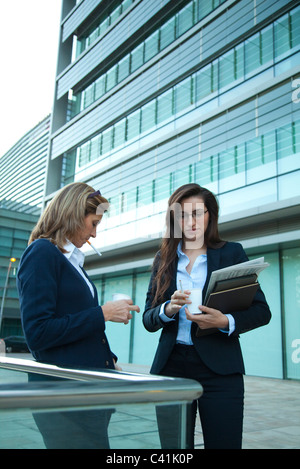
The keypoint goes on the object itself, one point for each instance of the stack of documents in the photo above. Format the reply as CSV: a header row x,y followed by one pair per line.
x,y
233,288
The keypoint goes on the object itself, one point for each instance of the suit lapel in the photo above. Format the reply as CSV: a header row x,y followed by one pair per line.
x,y
213,263
173,285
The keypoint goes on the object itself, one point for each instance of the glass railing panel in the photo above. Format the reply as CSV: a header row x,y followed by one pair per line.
x,y
131,426
93,410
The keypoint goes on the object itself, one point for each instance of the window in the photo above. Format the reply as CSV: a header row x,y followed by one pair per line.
x,y
162,187
148,116
100,87
124,65
137,57
252,53
295,26
88,96
133,124
181,176
104,25
282,38
107,140
203,82
227,68
165,106
129,200
267,44
92,36
207,80
254,153
204,8
95,148
111,77
206,171
167,33
185,19
119,133
151,46
183,94
231,167
145,194
114,205
291,269
84,154
296,136
115,14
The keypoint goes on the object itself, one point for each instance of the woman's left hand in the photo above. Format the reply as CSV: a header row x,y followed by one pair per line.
x,y
211,318
117,367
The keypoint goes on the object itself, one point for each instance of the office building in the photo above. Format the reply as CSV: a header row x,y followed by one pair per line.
x,y
151,95
23,169
22,178
15,228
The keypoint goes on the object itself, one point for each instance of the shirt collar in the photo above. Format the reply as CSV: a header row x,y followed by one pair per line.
x,y
179,249
180,252
74,252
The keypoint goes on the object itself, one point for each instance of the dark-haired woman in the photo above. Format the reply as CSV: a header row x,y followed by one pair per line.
x,y
190,251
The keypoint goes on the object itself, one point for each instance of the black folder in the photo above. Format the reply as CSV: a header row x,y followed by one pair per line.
x,y
233,299
237,298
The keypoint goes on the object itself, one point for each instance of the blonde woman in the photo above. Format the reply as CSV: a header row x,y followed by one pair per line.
x,y
63,323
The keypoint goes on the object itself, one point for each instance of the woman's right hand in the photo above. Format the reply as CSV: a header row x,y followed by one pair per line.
x,y
119,311
178,299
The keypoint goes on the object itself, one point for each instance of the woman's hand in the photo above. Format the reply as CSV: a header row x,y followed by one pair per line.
x,y
117,367
119,311
178,299
211,318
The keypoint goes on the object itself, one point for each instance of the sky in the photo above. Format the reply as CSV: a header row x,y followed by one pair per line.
x,y
29,35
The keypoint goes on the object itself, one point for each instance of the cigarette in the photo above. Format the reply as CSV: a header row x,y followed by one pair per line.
x,y
93,247
180,285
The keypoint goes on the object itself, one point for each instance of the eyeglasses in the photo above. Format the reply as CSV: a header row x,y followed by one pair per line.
x,y
196,215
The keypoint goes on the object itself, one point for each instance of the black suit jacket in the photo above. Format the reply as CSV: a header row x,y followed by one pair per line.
x,y
220,352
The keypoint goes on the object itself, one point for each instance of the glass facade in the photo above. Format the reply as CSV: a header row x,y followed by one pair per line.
x,y
204,92
15,228
23,170
173,28
271,351
250,57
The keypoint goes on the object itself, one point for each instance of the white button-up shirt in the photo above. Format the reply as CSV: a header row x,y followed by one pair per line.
x,y
196,279
76,257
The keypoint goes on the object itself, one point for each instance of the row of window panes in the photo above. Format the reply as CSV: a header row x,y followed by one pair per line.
x,y
261,48
187,17
105,22
255,153
235,64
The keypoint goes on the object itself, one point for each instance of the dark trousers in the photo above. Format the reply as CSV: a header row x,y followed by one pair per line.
x,y
220,407
72,429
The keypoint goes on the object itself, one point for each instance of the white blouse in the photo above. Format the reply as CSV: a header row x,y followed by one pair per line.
x,y
76,257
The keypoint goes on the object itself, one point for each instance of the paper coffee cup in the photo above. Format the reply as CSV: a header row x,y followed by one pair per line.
x,y
120,296
196,298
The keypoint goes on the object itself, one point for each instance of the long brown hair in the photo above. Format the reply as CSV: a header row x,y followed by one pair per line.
x,y
166,258
65,214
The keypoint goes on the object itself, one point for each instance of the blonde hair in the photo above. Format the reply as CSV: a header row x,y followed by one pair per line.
x,y
66,212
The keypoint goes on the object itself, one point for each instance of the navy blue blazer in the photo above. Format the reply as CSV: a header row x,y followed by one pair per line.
x,y
220,352
62,322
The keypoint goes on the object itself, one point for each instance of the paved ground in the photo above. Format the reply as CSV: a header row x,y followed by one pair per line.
x,y
272,411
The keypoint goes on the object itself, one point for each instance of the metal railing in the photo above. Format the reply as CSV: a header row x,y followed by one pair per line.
x,y
97,388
